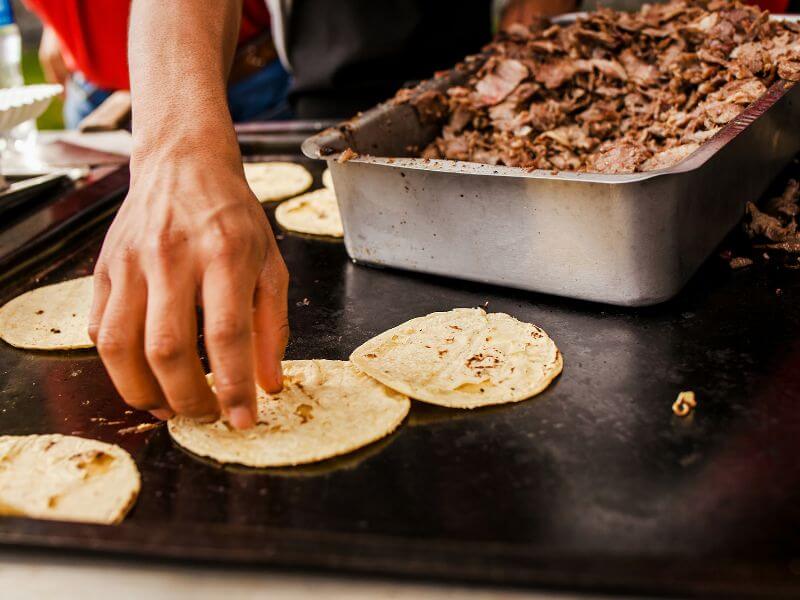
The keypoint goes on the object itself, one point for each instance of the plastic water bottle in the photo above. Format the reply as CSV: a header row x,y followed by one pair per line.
x,y
22,136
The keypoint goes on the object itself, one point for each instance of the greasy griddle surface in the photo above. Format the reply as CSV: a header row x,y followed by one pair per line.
x,y
594,483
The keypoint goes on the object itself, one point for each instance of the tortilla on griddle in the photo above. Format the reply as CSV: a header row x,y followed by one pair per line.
x,y
53,317
327,408
327,180
271,181
316,213
66,478
463,358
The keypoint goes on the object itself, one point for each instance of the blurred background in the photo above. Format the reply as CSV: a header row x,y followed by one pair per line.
x,y
31,29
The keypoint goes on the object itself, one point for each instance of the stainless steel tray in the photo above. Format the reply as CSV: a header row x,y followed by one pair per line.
x,y
631,240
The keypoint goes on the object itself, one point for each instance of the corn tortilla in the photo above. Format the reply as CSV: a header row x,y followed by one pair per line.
x,y
66,478
327,179
316,213
53,317
272,181
327,408
464,358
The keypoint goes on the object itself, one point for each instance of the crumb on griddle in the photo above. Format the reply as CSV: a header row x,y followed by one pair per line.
x,y
684,404
740,262
141,428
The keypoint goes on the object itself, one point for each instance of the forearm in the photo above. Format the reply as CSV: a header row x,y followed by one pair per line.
x,y
180,55
551,8
526,11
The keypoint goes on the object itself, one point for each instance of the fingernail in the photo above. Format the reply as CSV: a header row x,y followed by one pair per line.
x,y
240,417
163,414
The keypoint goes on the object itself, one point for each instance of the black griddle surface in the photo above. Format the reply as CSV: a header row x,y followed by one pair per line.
x,y
593,485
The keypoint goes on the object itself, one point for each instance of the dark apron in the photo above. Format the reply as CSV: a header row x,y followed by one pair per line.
x,y
348,55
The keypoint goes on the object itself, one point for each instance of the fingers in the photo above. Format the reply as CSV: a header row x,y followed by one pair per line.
x,y
120,337
102,289
271,324
228,313
170,343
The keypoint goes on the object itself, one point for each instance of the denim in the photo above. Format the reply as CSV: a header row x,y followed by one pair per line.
x,y
82,97
260,97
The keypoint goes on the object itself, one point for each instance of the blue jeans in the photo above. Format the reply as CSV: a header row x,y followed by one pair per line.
x,y
260,97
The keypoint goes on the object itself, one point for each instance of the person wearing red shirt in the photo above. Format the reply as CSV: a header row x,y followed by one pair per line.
x,y
84,47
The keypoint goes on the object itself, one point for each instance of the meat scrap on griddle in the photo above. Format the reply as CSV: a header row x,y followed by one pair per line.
x,y
613,92
769,231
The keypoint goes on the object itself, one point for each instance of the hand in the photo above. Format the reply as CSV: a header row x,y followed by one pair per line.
x,y
55,70
526,12
190,231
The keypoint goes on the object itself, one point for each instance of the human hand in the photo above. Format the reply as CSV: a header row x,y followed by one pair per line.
x,y
190,232
527,12
53,65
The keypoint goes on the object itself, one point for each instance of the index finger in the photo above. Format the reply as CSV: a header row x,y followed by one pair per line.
x,y
228,322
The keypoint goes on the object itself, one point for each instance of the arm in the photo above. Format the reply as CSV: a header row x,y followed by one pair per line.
x,y
55,70
525,11
189,232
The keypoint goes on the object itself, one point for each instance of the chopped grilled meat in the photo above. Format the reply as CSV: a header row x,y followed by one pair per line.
x,y
496,85
786,203
761,225
612,92
554,74
431,106
638,70
769,230
622,156
740,262
670,156
789,67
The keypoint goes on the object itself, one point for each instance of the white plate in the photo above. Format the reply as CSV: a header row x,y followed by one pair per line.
x,y
20,104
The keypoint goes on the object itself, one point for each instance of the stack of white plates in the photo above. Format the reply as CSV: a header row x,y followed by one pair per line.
x,y
20,104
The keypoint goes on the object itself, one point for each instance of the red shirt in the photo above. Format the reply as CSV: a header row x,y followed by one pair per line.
x,y
94,34
776,7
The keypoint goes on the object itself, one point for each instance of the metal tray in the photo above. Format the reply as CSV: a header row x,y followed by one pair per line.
x,y
632,239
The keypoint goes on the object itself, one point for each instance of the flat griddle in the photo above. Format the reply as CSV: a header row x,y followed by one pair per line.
x,y
592,485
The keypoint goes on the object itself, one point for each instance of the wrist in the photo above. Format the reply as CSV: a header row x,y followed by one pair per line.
x,y
212,143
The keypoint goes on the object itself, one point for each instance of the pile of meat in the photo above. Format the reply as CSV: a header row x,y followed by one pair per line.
x,y
771,231
614,92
